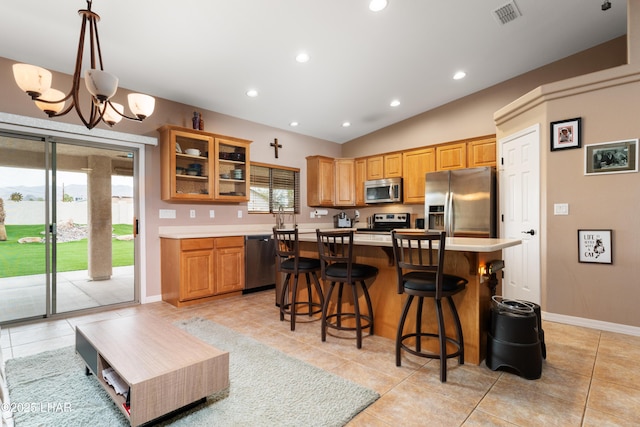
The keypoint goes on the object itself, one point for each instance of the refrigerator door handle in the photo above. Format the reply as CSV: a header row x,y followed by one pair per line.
x,y
451,216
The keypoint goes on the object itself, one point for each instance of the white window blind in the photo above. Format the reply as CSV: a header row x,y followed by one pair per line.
x,y
273,188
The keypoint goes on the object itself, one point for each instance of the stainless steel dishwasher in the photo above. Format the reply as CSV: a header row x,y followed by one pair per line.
x,y
259,262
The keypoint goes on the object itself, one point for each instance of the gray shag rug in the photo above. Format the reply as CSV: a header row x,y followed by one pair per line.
x,y
268,388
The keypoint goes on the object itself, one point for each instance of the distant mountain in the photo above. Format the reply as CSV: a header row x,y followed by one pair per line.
x,y
78,192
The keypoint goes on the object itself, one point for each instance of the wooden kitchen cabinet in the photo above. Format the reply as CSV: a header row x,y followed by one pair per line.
x,y
360,178
482,152
384,166
416,164
451,156
229,262
201,269
393,165
217,171
344,194
320,181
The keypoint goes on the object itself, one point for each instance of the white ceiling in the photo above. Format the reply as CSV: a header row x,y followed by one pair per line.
x,y
208,53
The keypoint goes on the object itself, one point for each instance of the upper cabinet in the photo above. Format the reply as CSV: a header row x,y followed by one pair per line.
x,y
320,181
360,178
416,164
482,152
451,156
198,166
384,166
345,181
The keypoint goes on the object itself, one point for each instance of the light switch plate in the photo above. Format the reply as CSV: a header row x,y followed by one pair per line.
x,y
192,213
212,213
561,209
239,214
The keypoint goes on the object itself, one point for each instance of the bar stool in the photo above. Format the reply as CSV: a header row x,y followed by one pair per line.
x,y
289,261
335,249
420,274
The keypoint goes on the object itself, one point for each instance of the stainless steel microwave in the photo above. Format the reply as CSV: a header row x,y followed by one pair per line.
x,y
383,190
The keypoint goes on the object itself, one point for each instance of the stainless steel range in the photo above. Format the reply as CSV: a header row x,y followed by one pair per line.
x,y
385,222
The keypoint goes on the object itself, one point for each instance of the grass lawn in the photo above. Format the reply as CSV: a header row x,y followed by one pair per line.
x,y
25,259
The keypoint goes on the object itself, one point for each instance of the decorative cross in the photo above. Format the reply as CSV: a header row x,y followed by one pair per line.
x,y
275,146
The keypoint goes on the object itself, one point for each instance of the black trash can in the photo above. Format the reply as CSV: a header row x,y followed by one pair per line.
x,y
515,340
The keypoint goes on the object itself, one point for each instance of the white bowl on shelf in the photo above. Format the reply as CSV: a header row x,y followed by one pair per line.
x,y
192,151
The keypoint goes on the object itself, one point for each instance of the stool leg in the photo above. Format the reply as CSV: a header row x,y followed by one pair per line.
x,y
283,295
316,283
443,342
294,298
325,308
309,294
419,324
339,306
403,318
367,298
456,318
356,310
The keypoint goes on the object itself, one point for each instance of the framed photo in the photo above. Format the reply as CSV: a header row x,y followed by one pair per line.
x,y
566,134
595,246
611,157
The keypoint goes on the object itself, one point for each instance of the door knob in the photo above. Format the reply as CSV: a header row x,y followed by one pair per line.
x,y
532,232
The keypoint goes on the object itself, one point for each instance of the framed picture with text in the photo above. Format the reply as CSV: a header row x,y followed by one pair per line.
x,y
566,134
594,246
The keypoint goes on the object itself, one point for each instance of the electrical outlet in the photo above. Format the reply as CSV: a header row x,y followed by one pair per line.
x,y
192,213
212,213
239,214
312,214
561,209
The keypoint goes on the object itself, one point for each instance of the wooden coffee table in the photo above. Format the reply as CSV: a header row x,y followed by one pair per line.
x,y
164,367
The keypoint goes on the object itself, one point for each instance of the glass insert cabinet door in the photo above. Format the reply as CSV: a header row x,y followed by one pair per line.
x,y
67,227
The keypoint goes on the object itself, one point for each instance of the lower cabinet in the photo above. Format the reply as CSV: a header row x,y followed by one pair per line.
x,y
201,269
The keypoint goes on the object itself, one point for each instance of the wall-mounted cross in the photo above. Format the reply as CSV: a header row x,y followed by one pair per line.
x,y
275,146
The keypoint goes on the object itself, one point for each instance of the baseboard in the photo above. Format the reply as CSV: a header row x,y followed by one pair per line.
x,y
593,324
153,298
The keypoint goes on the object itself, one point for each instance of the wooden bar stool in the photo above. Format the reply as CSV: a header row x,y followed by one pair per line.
x,y
289,261
335,249
419,265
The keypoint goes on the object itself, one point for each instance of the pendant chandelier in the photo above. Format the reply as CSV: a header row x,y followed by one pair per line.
x,y
102,86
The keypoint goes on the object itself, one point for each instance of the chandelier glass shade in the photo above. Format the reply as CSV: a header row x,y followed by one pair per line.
x,y
102,86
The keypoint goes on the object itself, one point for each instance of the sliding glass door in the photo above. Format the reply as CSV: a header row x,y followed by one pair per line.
x,y
69,214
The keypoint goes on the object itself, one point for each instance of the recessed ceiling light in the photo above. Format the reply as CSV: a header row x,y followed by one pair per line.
x,y
293,124
252,93
302,57
346,124
394,103
377,5
459,75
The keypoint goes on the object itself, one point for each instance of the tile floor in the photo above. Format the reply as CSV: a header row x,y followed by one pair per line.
x,y
590,377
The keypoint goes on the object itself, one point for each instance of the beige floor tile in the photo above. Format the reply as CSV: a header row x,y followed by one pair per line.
x,y
43,345
466,383
21,336
512,401
363,419
409,404
615,399
560,383
593,418
564,356
618,368
481,419
620,344
365,376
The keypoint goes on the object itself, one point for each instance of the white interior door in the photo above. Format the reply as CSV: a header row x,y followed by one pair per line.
x,y
520,213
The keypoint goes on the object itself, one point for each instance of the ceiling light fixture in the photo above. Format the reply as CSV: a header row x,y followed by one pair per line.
x,y
293,124
302,57
459,75
346,124
252,93
377,5
102,86
394,103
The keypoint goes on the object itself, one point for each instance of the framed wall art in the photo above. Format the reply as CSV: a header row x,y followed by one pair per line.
x,y
611,157
566,134
595,246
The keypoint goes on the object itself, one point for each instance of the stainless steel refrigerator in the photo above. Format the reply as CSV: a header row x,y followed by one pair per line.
x,y
462,202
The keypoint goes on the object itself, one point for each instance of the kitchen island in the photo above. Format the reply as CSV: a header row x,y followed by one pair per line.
x,y
464,257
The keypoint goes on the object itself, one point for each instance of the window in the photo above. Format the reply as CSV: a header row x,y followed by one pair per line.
x,y
274,187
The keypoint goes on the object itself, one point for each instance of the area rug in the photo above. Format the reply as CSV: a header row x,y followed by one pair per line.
x,y
268,388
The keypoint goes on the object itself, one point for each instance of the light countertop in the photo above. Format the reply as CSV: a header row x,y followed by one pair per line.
x,y
307,234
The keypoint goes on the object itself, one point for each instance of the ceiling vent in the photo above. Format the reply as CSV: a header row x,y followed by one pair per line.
x,y
507,13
